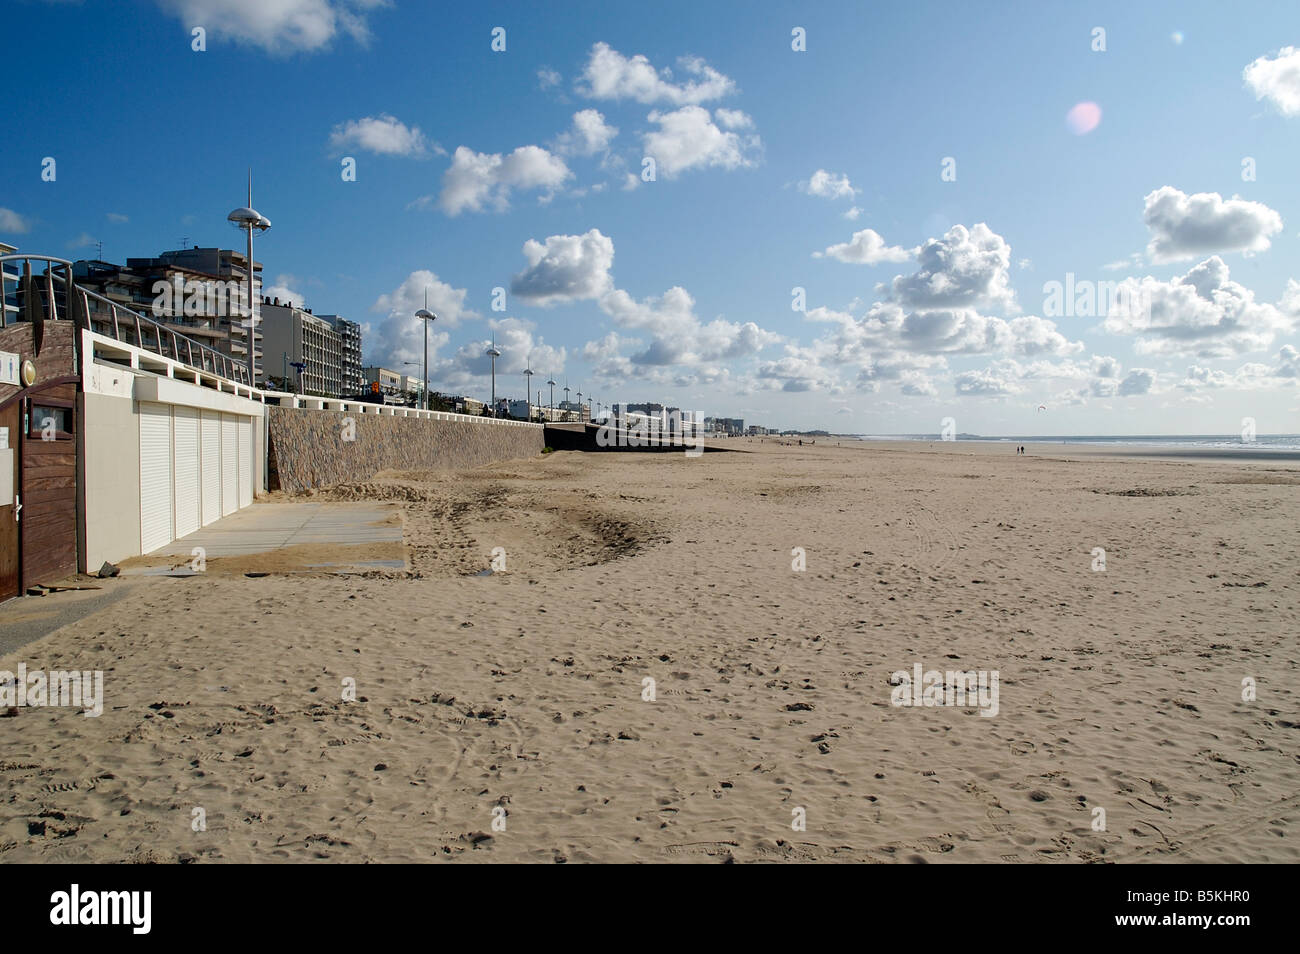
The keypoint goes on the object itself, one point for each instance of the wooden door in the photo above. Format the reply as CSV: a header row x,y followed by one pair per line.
x,y
9,560
48,524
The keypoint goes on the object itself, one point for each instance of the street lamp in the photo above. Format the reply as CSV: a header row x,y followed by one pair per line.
x,y
426,316
528,393
579,407
566,398
551,382
493,353
248,219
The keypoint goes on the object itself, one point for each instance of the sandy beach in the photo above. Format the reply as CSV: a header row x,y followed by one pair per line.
x,y
521,697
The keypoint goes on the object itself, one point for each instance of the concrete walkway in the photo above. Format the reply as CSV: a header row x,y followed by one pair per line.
x,y
267,527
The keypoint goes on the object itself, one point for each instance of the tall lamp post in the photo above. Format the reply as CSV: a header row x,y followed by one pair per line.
x,y
579,407
426,316
551,382
566,398
248,219
493,353
528,393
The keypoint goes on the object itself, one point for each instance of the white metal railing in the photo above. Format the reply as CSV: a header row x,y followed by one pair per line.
x,y
308,402
39,291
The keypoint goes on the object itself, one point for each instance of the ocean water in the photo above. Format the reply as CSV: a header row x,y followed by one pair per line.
x,y
1261,443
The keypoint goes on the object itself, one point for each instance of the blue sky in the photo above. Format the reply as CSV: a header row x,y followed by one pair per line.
x,y
925,296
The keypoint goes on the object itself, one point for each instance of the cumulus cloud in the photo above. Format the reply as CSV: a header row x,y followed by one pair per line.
x,y
678,337
548,78
399,335
283,289
1288,362
469,368
828,185
277,26
1137,381
866,248
588,135
611,75
1277,79
1186,226
687,138
565,268
965,268
384,135
1204,313
478,180
989,382
13,223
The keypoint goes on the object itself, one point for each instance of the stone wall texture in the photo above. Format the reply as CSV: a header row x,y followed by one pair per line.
x,y
308,449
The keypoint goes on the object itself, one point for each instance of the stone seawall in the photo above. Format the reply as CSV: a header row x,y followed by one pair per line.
x,y
308,449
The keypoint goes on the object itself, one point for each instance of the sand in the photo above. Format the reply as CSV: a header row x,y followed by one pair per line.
x,y
519,697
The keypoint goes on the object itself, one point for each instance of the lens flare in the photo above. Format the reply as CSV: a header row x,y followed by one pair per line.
x,y
1083,118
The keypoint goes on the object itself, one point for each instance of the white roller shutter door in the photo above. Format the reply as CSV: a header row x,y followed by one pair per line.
x,y
155,476
229,464
245,461
210,427
185,443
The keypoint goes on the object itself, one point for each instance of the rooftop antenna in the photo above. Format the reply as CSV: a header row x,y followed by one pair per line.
x,y
99,251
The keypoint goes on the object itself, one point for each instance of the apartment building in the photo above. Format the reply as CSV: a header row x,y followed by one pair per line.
x,y
201,293
295,335
349,332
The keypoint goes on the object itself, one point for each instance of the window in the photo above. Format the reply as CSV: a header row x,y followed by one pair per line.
x,y
50,422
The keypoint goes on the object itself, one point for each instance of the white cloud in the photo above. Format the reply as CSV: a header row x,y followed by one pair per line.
x,y
469,368
866,248
611,75
117,218
828,185
282,290
733,118
965,268
1137,381
277,26
1277,79
82,240
589,135
1186,226
382,134
678,336
548,78
1203,313
989,382
399,335
565,268
476,180
1288,362
13,223
688,139
852,213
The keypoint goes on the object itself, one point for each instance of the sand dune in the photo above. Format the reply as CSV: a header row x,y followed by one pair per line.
x,y
522,694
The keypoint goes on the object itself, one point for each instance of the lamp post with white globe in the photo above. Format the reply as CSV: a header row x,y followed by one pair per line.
x,y
247,219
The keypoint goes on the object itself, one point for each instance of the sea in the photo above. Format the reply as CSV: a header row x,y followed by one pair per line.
x,y
1262,443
